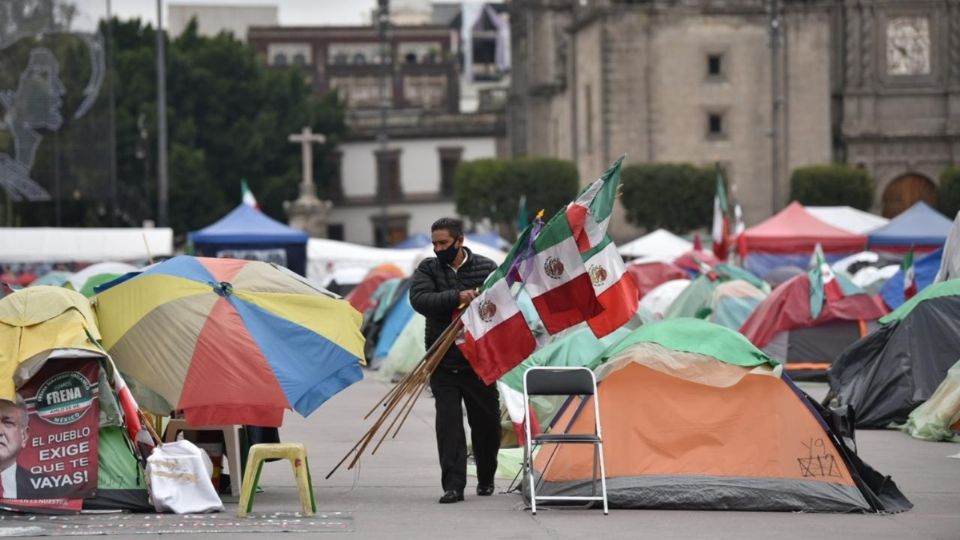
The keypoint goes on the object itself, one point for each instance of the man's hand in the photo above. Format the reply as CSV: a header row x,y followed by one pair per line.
x,y
467,296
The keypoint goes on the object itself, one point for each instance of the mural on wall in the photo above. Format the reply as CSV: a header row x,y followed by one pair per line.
x,y
52,67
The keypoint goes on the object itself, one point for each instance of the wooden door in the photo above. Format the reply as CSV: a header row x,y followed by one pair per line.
x,y
905,191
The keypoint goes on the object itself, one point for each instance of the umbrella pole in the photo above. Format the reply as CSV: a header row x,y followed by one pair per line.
x,y
411,386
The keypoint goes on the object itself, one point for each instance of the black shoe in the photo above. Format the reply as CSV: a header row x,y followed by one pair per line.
x,y
485,490
451,497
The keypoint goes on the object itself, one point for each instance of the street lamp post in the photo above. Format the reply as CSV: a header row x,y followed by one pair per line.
x,y
776,93
162,186
383,137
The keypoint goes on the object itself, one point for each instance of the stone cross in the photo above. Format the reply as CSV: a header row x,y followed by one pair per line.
x,y
306,138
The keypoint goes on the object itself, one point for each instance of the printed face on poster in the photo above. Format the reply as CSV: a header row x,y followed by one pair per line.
x,y
48,438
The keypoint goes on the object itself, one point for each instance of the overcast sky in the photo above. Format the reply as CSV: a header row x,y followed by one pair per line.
x,y
292,12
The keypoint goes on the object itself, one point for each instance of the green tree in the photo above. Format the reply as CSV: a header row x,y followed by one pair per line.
x,y
949,192
491,188
674,196
832,185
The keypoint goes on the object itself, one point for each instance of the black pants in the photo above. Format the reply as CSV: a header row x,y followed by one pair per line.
x,y
450,388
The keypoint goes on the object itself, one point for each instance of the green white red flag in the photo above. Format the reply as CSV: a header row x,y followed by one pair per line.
x,y
721,219
824,286
909,276
557,279
614,287
248,198
495,334
589,214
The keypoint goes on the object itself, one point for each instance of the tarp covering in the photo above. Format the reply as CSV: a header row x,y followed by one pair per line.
x,y
658,301
38,319
726,452
51,244
732,302
651,274
887,374
938,419
920,226
788,307
848,218
660,245
950,265
248,233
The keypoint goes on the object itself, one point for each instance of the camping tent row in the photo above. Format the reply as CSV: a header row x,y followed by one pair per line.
x,y
698,381
789,237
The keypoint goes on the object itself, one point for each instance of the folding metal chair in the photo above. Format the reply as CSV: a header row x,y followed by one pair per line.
x,y
563,381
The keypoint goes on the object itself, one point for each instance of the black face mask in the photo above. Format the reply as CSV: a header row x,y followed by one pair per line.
x,y
446,256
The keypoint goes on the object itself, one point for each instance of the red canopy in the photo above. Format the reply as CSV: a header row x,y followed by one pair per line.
x,y
651,274
794,230
788,307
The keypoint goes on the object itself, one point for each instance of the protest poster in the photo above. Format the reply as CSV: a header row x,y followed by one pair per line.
x,y
49,436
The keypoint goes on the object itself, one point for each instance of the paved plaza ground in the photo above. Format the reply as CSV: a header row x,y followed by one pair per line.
x,y
393,494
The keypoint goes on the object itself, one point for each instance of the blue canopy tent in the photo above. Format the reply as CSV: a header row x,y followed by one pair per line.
x,y
920,226
247,233
925,271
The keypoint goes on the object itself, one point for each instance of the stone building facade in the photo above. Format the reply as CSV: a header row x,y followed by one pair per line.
x,y
690,80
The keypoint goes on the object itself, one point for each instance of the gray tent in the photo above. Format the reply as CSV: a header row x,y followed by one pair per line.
x,y
887,374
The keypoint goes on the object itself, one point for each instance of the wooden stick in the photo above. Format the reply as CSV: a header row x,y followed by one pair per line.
x,y
407,391
405,380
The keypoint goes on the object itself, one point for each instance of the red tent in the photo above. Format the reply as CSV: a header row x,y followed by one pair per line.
x,y
782,326
651,274
688,261
360,296
794,230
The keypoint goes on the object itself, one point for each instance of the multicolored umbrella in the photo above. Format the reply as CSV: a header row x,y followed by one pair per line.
x,y
229,341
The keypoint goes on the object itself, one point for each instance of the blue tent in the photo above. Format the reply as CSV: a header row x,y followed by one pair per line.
x,y
919,226
925,271
394,323
247,233
414,241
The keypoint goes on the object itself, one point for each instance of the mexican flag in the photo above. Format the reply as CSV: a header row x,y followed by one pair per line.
x,y
824,286
721,219
495,335
557,279
589,214
909,276
738,225
615,289
589,218
248,198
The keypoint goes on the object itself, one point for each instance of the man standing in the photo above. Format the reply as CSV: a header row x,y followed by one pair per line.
x,y
13,434
439,287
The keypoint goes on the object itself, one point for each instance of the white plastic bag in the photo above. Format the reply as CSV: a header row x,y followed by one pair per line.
x,y
179,477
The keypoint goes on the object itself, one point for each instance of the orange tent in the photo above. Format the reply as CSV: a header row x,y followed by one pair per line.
x,y
360,296
695,417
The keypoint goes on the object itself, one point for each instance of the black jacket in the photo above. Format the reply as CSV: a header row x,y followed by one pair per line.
x,y
435,294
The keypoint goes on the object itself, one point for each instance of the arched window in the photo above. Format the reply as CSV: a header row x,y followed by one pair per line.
x,y
299,59
280,59
359,58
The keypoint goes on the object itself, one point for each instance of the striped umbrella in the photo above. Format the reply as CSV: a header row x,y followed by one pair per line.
x,y
229,341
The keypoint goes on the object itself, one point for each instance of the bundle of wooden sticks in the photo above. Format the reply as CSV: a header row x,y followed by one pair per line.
x,y
399,401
